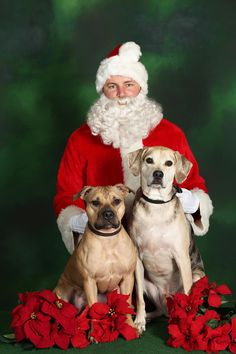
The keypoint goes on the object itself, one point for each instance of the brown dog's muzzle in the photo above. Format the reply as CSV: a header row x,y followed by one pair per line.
x,y
107,219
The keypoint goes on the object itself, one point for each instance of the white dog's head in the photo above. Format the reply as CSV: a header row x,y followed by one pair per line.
x,y
158,166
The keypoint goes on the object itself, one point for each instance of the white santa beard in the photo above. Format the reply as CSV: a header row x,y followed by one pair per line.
x,y
123,125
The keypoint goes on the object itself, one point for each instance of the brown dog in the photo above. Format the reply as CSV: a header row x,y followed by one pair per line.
x,y
106,257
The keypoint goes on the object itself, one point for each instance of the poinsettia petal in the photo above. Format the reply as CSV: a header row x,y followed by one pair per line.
x,y
214,299
19,333
98,310
232,347
128,332
223,289
174,330
48,295
62,340
219,343
80,340
233,328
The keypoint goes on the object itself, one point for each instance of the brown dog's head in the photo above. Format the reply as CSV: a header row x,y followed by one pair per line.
x,y
105,206
158,166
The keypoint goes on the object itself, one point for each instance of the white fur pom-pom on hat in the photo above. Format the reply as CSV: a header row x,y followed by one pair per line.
x,y
123,60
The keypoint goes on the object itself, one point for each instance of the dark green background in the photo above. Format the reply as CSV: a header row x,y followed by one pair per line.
x,y
50,51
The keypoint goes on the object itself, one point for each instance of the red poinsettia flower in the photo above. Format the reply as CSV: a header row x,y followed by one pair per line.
x,y
25,312
117,304
203,288
188,333
37,329
103,330
182,306
232,345
218,337
108,320
215,294
59,336
80,339
180,336
200,287
63,312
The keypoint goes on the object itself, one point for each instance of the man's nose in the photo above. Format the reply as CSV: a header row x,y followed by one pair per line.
x,y
120,91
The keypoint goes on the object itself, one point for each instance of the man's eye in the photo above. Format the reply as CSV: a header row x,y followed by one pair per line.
x,y
149,160
116,201
111,87
168,163
130,84
95,203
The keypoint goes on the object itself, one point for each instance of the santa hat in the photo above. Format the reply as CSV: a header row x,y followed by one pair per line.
x,y
124,61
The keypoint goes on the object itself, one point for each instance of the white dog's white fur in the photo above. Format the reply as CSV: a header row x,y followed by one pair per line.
x,y
161,231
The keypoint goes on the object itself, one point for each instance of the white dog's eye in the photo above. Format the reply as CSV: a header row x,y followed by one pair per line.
x,y
149,160
168,163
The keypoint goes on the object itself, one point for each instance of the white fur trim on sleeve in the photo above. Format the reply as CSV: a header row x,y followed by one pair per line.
x,y
63,222
200,227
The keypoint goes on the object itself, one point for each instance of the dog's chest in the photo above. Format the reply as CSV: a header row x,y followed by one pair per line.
x,y
108,263
158,234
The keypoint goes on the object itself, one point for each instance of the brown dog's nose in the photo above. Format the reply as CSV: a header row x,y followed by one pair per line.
x,y
108,214
158,174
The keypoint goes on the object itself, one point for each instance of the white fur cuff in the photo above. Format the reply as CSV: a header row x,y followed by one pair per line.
x,y
200,227
63,222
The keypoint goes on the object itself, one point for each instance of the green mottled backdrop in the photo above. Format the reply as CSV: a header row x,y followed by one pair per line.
x,y
49,53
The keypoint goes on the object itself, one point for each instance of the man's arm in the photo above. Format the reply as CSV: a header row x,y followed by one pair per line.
x,y
70,214
198,219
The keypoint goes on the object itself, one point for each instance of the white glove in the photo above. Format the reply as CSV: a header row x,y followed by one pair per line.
x,y
78,222
189,201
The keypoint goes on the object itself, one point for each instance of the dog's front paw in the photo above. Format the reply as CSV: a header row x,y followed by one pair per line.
x,y
92,339
140,324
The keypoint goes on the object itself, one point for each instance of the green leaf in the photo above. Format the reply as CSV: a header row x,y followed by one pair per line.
x,y
8,338
213,323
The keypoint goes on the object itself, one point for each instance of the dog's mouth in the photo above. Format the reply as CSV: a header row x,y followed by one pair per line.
x,y
156,183
107,225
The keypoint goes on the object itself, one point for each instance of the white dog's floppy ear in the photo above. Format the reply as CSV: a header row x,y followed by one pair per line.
x,y
183,167
124,189
134,159
83,193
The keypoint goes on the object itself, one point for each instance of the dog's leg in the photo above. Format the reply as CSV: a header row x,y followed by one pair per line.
x,y
126,287
140,319
90,289
184,264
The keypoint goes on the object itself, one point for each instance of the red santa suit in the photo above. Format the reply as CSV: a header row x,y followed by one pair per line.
x,y
88,161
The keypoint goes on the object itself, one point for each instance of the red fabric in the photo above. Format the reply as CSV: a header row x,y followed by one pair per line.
x,y
87,161
114,51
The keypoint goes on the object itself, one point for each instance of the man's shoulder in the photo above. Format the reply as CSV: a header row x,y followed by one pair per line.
x,y
80,134
167,126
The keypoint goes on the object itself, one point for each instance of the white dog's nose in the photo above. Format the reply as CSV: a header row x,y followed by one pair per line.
x,y
158,174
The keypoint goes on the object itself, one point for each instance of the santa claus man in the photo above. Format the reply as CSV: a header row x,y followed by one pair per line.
x,y
122,120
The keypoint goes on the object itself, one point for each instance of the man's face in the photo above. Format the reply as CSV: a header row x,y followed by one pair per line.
x,y
120,87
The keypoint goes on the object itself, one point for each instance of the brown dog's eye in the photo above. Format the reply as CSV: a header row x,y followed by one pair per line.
x,y
168,163
116,201
149,160
95,203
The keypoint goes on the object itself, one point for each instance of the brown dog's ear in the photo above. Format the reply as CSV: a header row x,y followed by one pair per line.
x,y
183,167
83,193
134,159
124,189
